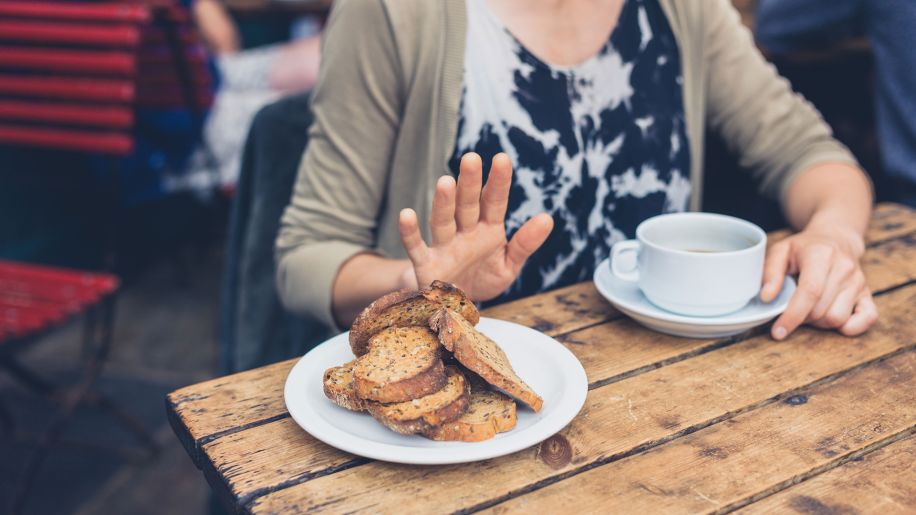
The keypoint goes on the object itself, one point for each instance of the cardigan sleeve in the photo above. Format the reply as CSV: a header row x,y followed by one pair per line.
x,y
356,106
775,132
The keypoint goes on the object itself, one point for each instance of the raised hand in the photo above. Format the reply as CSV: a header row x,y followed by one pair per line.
x,y
469,247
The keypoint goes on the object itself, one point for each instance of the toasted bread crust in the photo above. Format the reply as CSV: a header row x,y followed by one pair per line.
x,y
455,405
428,381
403,364
405,308
455,334
340,387
489,413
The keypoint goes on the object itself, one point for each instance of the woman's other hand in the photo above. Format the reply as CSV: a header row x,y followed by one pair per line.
x,y
469,247
832,292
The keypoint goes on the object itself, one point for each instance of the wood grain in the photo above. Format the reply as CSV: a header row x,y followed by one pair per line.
x,y
558,311
888,221
202,411
883,482
891,263
642,411
718,467
262,459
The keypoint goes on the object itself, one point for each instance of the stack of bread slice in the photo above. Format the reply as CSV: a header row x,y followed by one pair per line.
x,y
422,367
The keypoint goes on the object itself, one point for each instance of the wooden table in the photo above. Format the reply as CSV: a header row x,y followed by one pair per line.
x,y
817,424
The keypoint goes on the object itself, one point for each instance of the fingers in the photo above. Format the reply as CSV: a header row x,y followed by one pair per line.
x,y
467,209
527,239
865,315
495,197
774,271
844,280
442,216
410,236
839,311
814,264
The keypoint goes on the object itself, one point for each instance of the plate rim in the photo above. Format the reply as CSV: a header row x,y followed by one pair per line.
x,y
775,309
457,452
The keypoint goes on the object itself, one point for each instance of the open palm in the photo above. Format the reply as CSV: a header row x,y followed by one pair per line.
x,y
469,247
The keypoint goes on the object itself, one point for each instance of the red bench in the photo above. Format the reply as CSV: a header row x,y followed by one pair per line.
x,y
72,75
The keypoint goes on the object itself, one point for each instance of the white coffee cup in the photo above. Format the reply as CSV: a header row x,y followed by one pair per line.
x,y
696,264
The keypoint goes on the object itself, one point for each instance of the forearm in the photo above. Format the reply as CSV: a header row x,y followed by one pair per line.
x,y
830,195
362,279
216,27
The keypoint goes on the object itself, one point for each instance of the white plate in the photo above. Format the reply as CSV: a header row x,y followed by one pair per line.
x,y
542,362
626,297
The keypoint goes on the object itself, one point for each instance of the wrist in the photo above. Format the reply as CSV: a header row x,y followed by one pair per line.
x,y
839,230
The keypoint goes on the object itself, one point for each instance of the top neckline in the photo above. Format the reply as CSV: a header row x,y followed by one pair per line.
x,y
532,58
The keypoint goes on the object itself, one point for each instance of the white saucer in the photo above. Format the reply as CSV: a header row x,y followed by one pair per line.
x,y
626,297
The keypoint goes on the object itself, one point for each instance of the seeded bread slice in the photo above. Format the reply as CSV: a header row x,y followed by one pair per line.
x,y
403,363
405,308
424,413
488,413
340,387
481,355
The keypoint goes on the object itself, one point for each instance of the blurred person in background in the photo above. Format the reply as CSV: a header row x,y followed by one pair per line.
x,y
600,107
785,26
247,80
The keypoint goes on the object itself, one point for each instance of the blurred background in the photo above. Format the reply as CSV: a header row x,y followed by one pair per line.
x,y
130,146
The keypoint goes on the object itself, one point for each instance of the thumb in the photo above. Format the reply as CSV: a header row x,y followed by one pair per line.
x,y
528,239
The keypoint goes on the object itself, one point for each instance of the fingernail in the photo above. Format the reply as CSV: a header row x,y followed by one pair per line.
x,y
779,333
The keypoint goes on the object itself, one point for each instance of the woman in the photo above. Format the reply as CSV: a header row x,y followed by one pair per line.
x,y
602,106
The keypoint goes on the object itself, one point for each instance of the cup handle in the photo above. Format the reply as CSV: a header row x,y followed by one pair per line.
x,y
618,249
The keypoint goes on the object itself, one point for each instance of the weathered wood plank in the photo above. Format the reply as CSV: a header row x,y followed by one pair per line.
x,y
720,466
558,311
888,221
638,412
891,263
201,411
244,465
883,481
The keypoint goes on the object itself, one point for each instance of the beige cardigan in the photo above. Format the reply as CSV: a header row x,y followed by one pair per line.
x,y
385,119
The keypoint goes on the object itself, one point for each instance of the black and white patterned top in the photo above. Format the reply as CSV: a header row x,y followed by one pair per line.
x,y
600,146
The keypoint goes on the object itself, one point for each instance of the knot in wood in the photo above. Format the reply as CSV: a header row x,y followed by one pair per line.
x,y
555,451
